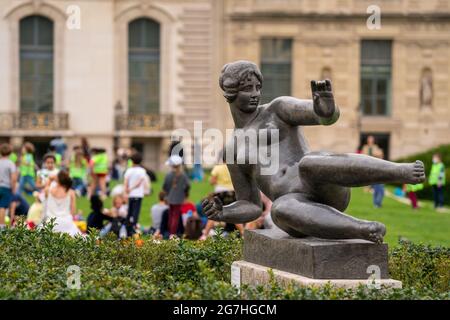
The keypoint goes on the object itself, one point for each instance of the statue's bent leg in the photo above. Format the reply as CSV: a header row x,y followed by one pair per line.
x,y
355,170
296,215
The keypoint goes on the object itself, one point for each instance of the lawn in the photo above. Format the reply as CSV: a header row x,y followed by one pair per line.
x,y
424,226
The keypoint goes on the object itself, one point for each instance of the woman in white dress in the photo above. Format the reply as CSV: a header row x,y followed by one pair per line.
x,y
60,204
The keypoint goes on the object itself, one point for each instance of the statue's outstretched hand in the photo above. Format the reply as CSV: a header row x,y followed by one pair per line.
x,y
213,208
323,100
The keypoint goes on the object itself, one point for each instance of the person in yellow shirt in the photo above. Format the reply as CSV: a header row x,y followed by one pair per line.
x,y
221,179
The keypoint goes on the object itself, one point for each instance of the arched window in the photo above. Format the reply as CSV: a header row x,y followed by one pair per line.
x,y
143,66
36,64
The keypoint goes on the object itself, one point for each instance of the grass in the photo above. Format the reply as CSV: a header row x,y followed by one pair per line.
x,y
420,226
423,226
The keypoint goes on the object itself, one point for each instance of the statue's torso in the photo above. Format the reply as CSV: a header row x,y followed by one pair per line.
x,y
281,175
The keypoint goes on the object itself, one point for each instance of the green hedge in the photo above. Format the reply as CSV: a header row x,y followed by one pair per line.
x,y
426,158
33,265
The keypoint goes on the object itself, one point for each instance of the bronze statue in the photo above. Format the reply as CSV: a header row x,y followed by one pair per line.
x,y
310,190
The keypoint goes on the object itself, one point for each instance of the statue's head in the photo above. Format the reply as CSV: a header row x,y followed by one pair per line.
x,y
241,82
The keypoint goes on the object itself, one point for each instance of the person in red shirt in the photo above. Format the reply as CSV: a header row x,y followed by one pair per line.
x,y
188,209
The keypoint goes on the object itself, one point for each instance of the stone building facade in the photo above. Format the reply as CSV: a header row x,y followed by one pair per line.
x,y
137,69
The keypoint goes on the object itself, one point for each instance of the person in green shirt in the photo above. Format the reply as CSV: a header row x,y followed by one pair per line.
x,y
411,190
78,168
58,157
99,168
27,169
437,181
13,157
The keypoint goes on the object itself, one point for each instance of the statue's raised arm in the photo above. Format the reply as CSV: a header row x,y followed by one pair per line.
x,y
321,110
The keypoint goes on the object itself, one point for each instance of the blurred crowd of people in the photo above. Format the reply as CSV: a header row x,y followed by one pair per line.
x,y
87,172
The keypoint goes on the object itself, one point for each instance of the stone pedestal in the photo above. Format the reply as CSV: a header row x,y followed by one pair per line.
x,y
312,261
254,274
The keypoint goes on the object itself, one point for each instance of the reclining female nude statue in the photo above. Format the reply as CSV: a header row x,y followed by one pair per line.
x,y
310,190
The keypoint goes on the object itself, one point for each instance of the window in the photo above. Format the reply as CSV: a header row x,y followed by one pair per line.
x,y
36,64
143,66
276,65
375,77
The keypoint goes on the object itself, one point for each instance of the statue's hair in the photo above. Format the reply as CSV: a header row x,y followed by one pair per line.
x,y
233,75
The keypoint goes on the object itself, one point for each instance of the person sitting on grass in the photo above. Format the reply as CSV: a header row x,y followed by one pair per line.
x,y
8,179
118,214
61,204
18,207
188,209
35,214
97,218
156,213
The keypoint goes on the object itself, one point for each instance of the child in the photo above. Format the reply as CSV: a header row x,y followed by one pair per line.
x,y
411,190
8,179
27,166
118,213
99,167
157,211
49,171
36,212
437,181
136,182
176,184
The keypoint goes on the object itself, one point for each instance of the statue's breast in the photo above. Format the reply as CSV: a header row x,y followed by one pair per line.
x,y
259,139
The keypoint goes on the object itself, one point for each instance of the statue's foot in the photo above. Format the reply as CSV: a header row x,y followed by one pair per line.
x,y
373,231
414,172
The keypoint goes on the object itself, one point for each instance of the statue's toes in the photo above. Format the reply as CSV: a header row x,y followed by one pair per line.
x,y
418,172
376,232
419,166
